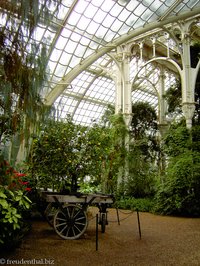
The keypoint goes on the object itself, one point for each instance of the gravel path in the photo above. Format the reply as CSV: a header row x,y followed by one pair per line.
x,y
164,241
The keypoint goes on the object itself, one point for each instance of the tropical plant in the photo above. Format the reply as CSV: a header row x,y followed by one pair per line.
x,y
106,117
14,204
177,140
144,120
139,204
178,194
141,181
56,155
143,151
22,67
65,154
173,97
114,163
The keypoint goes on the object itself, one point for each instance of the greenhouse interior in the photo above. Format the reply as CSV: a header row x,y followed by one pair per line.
x,y
98,97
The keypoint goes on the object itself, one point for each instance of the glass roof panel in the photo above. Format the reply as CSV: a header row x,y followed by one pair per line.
x,y
74,19
80,30
102,89
94,21
88,113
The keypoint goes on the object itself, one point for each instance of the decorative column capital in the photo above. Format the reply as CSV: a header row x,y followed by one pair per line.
x,y
188,109
184,27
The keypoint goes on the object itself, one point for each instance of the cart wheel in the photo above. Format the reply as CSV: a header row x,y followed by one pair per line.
x,y
50,212
103,222
70,222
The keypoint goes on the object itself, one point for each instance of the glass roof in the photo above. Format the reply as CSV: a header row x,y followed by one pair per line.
x,y
81,39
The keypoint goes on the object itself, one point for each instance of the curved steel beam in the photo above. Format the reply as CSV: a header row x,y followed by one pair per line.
x,y
159,59
60,87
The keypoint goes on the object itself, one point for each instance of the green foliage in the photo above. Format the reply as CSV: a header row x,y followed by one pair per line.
x,y
142,154
106,117
108,142
22,68
29,12
97,148
142,173
116,152
179,192
195,143
143,121
21,78
173,98
173,95
177,140
14,204
90,186
57,154
143,130
140,204
65,154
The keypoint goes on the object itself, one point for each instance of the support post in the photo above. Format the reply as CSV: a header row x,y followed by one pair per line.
x,y
118,216
188,76
97,232
139,227
123,95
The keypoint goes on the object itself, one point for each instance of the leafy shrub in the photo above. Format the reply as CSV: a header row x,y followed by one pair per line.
x,y
14,205
177,141
141,204
65,154
140,183
179,194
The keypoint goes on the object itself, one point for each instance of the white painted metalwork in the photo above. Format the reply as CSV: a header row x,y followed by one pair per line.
x,y
88,67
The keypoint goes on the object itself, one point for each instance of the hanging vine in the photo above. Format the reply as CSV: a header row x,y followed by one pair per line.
x,y
22,66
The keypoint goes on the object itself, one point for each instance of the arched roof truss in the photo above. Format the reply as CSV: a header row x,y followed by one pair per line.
x,y
83,38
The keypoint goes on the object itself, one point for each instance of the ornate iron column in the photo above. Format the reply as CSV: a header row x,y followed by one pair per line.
x,y
123,84
187,75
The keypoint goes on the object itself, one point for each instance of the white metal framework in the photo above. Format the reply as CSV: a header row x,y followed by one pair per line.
x,y
118,52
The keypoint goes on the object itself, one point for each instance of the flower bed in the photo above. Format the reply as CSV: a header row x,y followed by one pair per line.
x,y
14,205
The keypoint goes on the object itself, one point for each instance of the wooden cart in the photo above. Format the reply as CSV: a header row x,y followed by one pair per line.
x,y
68,213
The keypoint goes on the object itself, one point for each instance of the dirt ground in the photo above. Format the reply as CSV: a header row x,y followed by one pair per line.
x,y
164,241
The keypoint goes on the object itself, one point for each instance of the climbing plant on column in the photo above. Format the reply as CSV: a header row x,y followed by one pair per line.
x,y
143,151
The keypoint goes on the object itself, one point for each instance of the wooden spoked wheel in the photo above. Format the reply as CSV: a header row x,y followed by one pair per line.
x,y
70,222
50,212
